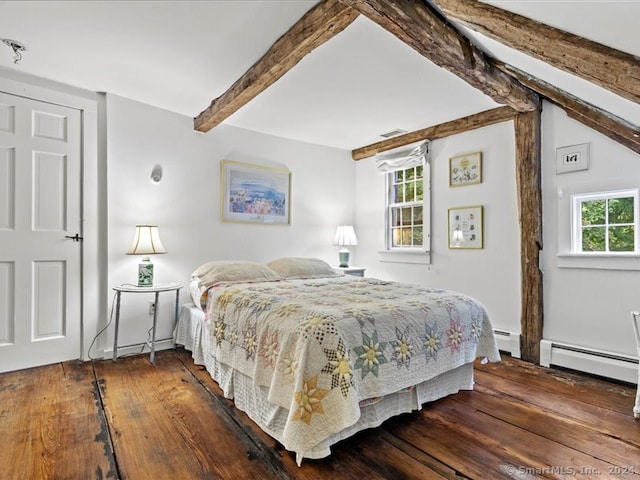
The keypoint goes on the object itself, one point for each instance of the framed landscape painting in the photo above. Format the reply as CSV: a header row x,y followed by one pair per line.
x,y
255,193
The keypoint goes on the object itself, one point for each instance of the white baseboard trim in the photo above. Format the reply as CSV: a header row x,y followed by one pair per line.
x,y
508,342
139,348
597,362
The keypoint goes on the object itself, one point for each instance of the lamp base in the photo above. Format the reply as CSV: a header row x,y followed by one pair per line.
x,y
145,273
344,258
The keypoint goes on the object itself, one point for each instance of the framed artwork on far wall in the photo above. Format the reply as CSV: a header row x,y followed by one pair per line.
x,y
465,227
255,193
465,169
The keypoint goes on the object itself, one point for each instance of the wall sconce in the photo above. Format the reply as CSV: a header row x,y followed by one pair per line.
x,y
17,47
156,174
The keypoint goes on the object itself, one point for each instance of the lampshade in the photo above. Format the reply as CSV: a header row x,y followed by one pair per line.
x,y
147,241
345,235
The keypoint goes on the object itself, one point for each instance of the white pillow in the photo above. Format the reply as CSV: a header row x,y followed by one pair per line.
x,y
212,273
301,267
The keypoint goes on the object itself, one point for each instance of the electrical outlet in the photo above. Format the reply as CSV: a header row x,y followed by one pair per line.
x,y
152,308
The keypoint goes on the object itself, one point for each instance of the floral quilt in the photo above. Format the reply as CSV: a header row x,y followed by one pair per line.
x,y
321,346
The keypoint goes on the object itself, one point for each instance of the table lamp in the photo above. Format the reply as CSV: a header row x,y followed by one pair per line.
x,y
345,236
146,242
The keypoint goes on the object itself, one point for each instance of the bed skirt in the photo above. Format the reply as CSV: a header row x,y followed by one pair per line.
x,y
192,332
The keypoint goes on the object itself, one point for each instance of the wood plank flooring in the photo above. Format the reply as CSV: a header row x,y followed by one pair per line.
x,y
132,420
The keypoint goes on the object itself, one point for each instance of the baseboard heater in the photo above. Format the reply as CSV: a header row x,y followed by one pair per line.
x,y
508,342
597,362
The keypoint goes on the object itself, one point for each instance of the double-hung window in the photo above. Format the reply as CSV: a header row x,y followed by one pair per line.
x,y
606,223
406,208
408,203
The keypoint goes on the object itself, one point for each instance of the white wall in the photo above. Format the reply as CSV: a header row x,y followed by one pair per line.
x,y
588,307
186,203
492,274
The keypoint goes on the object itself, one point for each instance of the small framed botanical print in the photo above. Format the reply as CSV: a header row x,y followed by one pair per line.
x,y
465,169
465,227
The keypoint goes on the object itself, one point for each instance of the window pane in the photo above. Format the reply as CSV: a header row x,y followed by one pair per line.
x,y
419,172
395,217
621,239
395,237
621,210
399,176
593,212
410,192
419,195
398,191
406,235
407,216
410,174
417,215
593,239
417,236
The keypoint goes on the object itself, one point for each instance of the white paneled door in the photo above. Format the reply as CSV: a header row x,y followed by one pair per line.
x,y
40,205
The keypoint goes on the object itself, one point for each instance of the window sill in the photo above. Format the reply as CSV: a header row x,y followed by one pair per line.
x,y
599,261
418,257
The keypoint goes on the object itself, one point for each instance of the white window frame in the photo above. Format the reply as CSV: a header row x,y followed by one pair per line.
x,y
576,221
426,218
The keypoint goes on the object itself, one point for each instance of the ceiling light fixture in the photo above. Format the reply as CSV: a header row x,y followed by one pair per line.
x,y
17,48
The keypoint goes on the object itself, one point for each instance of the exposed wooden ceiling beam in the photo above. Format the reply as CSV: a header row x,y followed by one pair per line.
x,y
593,117
423,28
318,25
612,69
471,122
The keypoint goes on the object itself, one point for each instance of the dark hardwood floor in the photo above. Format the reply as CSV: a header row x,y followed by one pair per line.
x,y
132,420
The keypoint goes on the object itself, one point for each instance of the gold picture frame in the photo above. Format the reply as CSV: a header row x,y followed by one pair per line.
x,y
466,227
465,169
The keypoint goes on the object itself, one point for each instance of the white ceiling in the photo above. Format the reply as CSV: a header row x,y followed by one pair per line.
x,y
179,55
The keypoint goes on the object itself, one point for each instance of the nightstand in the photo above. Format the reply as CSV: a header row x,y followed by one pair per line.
x,y
160,287
351,270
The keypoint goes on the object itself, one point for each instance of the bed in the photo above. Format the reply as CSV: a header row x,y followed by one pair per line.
x,y
314,357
